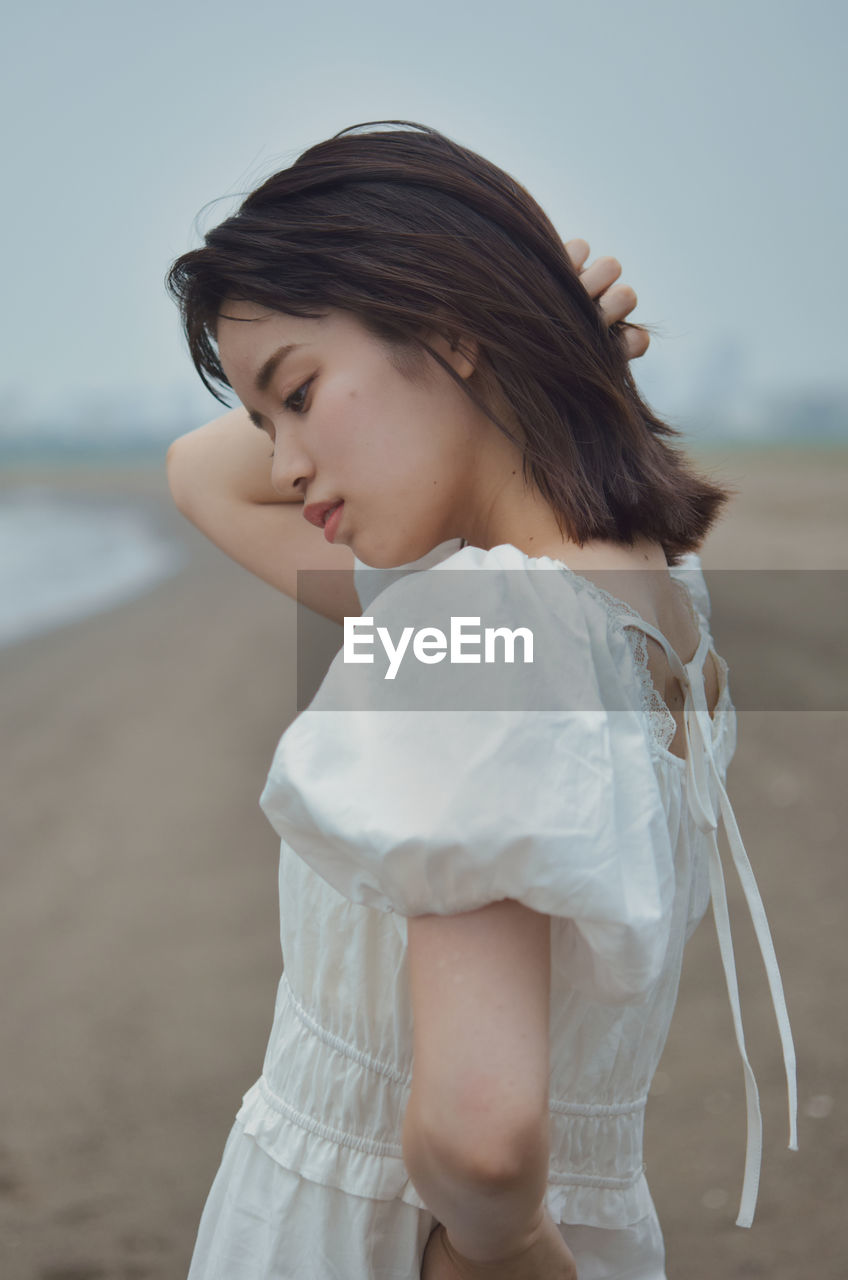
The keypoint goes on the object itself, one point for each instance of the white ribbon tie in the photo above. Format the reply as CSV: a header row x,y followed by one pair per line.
x,y
701,766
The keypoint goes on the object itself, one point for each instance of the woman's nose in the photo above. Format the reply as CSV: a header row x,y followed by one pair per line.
x,y
291,469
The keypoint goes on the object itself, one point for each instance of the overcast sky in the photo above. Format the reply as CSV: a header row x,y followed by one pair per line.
x,y
702,143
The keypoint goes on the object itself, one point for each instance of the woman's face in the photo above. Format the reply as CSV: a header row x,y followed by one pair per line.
x,y
414,462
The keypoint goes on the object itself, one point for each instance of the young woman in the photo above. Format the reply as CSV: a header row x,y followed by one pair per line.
x,y
483,910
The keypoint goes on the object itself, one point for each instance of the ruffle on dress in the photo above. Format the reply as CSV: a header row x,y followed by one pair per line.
x,y
333,1114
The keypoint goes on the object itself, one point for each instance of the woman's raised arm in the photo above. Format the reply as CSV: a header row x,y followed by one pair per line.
x,y
220,479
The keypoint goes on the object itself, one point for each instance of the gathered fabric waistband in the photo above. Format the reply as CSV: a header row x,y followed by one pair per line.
x,y
320,1083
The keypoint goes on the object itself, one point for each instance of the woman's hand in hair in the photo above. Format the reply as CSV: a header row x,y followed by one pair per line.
x,y
616,301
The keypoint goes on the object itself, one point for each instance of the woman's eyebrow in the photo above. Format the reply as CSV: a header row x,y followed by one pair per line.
x,y
269,368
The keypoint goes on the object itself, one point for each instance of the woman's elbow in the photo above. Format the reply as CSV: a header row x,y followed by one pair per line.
x,y
178,474
501,1160
487,1142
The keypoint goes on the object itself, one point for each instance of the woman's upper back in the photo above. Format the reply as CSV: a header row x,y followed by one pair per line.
x,y
637,585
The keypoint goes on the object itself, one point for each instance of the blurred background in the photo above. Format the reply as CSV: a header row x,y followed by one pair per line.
x,y
144,680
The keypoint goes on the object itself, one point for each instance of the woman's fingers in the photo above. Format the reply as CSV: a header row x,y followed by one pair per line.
x,y
578,252
636,341
616,301
616,304
598,278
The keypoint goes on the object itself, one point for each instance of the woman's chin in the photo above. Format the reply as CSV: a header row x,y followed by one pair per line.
x,y
384,555
378,560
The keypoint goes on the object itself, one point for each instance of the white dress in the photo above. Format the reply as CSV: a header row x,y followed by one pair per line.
x,y
579,811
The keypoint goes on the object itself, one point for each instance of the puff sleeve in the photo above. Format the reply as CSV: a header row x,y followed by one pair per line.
x,y
424,800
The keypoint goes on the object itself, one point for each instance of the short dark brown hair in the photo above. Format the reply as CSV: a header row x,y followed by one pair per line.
x,y
411,232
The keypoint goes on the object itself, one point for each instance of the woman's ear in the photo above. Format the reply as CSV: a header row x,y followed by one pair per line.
x,y
459,351
465,355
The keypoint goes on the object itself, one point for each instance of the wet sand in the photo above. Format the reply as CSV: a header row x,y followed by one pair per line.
x,y
138,918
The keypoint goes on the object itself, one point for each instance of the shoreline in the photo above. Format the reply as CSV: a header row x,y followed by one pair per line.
x,y
820,481
66,555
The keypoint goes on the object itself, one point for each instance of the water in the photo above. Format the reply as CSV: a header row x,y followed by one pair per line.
x,y
62,559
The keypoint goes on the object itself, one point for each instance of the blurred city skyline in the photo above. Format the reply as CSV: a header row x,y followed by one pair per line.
x,y
697,143
143,421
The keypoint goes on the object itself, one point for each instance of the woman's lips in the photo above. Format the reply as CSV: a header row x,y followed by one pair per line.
x,y
331,522
317,512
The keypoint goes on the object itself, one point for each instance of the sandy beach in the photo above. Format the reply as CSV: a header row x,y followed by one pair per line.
x,y
138,918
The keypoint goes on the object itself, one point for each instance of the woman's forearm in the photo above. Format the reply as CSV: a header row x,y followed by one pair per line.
x,y
220,479
227,458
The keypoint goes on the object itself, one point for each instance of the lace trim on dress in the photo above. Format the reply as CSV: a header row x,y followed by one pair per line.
x,y
661,722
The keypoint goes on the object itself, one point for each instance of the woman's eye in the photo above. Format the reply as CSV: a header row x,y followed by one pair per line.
x,y
296,402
